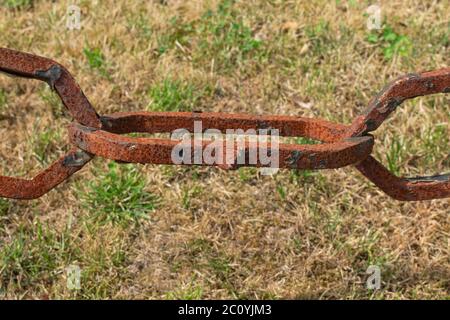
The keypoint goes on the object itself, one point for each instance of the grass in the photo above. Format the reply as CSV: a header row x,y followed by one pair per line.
x,y
191,292
435,141
96,60
139,24
3,100
225,38
50,98
321,38
172,95
148,232
31,259
188,194
4,206
118,195
39,254
394,156
391,43
178,36
17,4
43,142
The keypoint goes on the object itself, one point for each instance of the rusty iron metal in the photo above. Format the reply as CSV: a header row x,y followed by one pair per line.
x,y
59,171
26,65
380,107
405,189
342,145
159,151
394,94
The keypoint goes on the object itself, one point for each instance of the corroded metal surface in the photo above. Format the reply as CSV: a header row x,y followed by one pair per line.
x,y
58,172
159,151
341,145
405,189
380,107
59,79
393,95
157,122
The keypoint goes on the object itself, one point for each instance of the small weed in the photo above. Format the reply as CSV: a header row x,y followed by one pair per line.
x,y
320,37
197,246
178,34
225,38
43,142
32,255
281,191
445,37
394,155
220,266
3,100
195,174
391,42
332,223
188,194
17,4
4,206
172,95
96,60
52,99
298,176
118,196
205,256
297,245
247,174
368,253
435,141
191,292
140,24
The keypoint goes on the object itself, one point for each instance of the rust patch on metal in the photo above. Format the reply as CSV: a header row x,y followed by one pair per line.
x,y
34,67
45,181
50,76
158,151
407,87
294,158
342,145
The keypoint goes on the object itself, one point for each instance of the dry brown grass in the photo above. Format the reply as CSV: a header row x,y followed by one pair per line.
x,y
218,234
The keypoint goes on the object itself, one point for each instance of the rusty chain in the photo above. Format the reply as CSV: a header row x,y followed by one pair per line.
x,y
94,135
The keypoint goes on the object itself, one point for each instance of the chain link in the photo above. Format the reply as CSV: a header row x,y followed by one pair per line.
x,y
94,135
